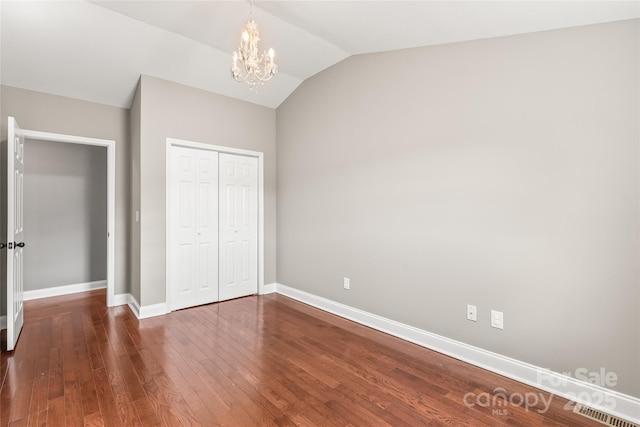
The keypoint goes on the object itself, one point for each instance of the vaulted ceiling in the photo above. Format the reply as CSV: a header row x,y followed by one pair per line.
x,y
96,50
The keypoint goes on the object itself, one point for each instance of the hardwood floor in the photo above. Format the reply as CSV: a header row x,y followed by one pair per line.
x,y
254,361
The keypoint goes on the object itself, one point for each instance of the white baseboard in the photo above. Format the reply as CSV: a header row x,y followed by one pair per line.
x,y
140,312
147,310
612,402
121,299
152,310
3,322
64,290
268,289
134,305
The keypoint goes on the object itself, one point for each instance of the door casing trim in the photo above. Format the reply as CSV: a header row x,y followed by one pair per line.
x,y
111,193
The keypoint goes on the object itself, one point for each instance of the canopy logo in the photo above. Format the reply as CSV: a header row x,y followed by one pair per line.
x,y
499,401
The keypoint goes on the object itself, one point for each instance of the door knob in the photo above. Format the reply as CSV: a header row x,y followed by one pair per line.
x,y
18,245
3,245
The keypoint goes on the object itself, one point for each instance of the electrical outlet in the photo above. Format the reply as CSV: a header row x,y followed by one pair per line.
x,y
472,312
497,319
347,283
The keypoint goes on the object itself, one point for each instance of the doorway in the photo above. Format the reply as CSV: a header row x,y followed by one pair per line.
x,y
111,172
65,218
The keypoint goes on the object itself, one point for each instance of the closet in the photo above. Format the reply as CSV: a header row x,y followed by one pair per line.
x,y
213,226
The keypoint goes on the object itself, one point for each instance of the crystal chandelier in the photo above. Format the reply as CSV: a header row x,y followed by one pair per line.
x,y
246,65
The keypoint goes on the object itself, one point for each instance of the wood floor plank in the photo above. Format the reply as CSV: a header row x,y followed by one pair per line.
x,y
56,381
193,386
255,361
39,401
72,401
55,412
37,419
105,398
88,393
6,401
121,396
21,401
94,420
130,378
146,413
168,403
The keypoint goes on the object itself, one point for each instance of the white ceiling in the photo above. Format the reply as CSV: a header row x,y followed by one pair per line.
x,y
96,50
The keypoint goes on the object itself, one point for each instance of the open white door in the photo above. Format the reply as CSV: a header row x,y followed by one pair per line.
x,y
15,232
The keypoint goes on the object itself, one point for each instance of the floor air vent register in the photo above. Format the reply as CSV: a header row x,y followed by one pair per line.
x,y
604,418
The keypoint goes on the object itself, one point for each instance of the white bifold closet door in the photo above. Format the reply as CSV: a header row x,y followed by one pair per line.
x,y
194,216
214,223
238,226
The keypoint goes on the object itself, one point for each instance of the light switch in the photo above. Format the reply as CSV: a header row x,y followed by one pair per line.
x,y
497,319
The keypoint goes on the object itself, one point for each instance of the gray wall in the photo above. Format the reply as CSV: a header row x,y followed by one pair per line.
x,y
65,214
56,114
172,110
502,173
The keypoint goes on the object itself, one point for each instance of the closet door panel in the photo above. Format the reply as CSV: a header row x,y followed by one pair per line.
x,y
194,214
238,226
183,214
207,227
